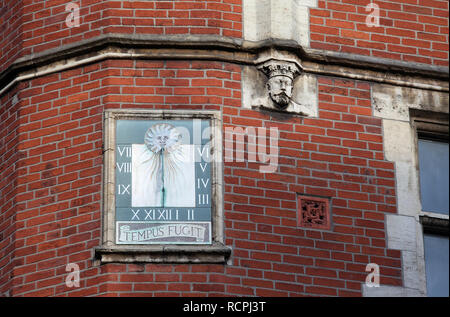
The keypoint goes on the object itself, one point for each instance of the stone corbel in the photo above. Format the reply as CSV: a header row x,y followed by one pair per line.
x,y
277,83
281,75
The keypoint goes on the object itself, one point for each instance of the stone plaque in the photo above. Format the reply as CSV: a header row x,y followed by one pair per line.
x,y
163,180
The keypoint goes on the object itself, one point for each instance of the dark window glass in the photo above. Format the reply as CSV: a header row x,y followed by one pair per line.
x,y
434,175
436,263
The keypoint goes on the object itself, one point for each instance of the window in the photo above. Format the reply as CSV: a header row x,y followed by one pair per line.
x,y
436,264
163,187
434,171
433,163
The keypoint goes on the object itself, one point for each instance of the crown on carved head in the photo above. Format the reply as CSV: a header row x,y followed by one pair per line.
x,y
279,68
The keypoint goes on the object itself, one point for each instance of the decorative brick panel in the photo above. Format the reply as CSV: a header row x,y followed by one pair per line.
x,y
313,212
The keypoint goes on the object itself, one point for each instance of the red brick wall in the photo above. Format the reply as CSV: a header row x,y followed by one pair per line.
x,y
52,158
9,119
410,30
31,26
58,201
338,155
10,31
219,17
45,26
44,23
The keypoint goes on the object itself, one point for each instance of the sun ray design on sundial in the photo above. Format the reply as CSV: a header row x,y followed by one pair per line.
x,y
164,141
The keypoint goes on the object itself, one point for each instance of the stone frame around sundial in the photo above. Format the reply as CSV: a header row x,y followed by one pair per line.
x,y
191,228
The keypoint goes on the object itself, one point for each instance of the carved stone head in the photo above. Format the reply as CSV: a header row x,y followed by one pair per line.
x,y
280,83
280,90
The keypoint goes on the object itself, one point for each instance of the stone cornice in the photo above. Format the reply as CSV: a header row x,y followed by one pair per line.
x,y
216,48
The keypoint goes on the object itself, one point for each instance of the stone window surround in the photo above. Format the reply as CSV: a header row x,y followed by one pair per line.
x,y
397,106
109,252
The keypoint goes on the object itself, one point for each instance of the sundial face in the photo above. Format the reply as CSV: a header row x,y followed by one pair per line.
x,y
163,182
